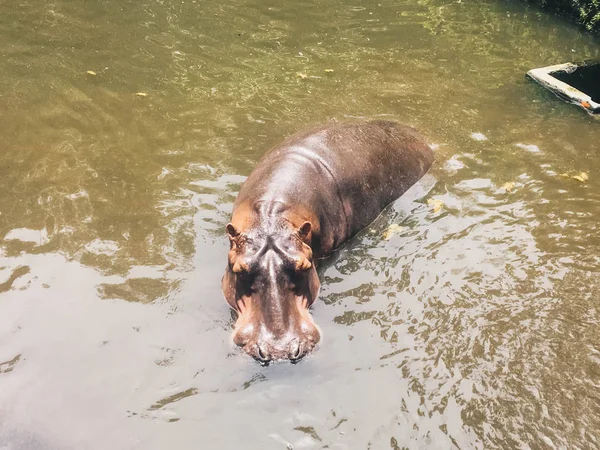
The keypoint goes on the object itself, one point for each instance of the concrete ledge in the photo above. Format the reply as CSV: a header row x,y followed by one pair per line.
x,y
544,76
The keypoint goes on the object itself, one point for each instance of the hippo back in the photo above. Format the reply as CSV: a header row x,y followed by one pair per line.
x,y
343,175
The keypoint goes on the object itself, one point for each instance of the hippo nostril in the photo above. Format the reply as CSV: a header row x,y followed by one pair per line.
x,y
295,350
262,355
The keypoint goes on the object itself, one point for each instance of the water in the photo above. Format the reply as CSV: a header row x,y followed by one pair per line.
x,y
466,315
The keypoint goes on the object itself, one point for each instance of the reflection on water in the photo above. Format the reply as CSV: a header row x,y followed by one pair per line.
x,y
466,315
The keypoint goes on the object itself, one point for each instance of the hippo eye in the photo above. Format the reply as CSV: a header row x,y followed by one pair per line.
x,y
244,275
246,283
302,264
240,266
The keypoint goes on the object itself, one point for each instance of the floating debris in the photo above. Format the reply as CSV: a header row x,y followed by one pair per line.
x,y
582,177
509,186
329,70
436,204
392,230
141,94
301,75
529,147
91,72
479,136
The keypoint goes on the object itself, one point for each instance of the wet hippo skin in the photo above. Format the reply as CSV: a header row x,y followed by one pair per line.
x,y
304,199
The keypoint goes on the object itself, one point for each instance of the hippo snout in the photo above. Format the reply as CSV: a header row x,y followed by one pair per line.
x,y
265,347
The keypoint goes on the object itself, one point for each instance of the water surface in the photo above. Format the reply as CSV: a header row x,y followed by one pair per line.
x,y
465,316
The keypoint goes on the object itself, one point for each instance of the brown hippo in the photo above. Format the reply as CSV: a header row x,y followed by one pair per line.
x,y
304,199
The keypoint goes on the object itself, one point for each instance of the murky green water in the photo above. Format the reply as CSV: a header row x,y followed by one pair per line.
x,y
472,325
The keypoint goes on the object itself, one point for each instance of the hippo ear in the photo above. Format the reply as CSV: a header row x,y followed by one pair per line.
x,y
231,231
304,230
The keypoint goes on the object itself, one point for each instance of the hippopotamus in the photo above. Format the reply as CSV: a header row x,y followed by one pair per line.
x,y
303,200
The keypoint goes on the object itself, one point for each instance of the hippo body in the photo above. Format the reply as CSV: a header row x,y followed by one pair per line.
x,y
304,199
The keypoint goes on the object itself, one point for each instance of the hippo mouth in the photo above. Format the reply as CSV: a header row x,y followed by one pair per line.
x,y
268,342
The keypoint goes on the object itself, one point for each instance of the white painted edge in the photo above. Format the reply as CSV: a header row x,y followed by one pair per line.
x,y
543,76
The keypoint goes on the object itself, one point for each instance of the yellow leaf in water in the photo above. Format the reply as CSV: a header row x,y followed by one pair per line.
x,y
436,204
508,186
329,70
391,230
301,75
582,177
141,94
91,72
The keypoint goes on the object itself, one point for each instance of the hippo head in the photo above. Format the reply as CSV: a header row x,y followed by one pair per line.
x,y
271,281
